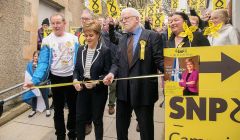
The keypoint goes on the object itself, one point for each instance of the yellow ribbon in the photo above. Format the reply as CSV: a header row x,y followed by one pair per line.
x,y
212,30
188,31
142,50
97,81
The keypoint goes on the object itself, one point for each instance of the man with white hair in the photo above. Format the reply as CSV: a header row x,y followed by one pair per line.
x,y
139,53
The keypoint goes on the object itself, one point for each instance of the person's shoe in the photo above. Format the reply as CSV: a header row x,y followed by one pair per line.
x,y
48,113
137,128
111,110
32,114
69,138
88,129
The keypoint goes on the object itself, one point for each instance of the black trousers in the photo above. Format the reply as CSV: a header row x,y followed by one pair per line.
x,y
60,95
90,104
144,117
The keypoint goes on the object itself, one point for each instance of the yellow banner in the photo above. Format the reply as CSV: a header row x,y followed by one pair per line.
x,y
157,5
142,14
202,4
219,4
158,20
47,32
150,10
77,31
174,4
95,6
113,9
194,4
211,110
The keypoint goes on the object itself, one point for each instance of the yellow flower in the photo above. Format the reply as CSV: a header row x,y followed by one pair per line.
x,y
188,31
212,30
142,50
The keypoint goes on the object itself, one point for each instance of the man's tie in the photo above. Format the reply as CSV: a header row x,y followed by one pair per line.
x,y
130,48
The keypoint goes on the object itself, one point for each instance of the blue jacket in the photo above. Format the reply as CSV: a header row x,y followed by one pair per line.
x,y
44,63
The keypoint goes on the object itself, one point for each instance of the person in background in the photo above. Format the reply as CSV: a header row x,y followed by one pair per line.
x,y
113,47
190,79
56,60
227,34
93,63
31,67
45,26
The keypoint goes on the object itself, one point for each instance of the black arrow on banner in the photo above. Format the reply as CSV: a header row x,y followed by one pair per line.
x,y
227,66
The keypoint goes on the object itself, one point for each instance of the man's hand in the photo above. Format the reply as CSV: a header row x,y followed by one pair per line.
x,y
108,79
77,86
90,85
27,85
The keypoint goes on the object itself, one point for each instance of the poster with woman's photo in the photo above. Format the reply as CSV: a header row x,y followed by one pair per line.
x,y
182,73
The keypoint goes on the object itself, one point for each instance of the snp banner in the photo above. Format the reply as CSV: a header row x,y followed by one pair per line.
x,y
95,6
219,4
202,93
113,9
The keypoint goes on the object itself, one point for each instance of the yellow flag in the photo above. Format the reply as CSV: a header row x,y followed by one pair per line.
x,y
202,4
150,11
157,20
142,14
95,6
174,4
47,32
194,4
113,9
219,4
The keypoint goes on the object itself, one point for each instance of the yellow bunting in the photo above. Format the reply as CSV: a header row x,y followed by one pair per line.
x,y
212,30
46,32
174,4
188,31
113,9
142,50
95,6
219,4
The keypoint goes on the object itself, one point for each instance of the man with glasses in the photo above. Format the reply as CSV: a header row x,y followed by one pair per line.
x,y
140,53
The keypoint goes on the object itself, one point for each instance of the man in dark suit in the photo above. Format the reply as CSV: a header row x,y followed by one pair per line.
x,y
140,53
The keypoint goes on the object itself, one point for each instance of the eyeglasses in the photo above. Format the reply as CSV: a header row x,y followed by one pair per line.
x,y
126,18
84,18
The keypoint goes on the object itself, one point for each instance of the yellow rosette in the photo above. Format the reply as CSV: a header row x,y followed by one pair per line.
x,y
212,30
188,31
142,49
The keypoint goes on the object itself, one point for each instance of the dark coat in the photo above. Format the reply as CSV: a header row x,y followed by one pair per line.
x,y
101,64
142,91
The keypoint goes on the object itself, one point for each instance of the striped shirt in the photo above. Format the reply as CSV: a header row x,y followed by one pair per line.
x,y
88,63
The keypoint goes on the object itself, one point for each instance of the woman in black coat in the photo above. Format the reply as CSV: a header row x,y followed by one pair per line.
x,y
93,63
176,25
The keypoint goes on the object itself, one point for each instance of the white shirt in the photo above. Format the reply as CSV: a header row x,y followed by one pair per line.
x,y
63,50
88,63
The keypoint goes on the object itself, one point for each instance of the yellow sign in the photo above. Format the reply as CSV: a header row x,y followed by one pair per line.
x,y
174,4
77,31
219,4
47,32
142,14
95,6
150,11
206,105
113,9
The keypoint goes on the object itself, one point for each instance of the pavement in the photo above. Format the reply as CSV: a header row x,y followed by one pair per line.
x,y
40,127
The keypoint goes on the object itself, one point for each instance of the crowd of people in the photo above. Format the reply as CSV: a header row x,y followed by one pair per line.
x,y
117,49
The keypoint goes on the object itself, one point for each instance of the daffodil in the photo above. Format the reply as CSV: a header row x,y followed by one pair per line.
x,y
212,30
188,31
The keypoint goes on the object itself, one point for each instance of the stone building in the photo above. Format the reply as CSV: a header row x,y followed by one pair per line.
x,y
19,22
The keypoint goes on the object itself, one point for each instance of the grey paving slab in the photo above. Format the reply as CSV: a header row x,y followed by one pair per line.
x,y
40,127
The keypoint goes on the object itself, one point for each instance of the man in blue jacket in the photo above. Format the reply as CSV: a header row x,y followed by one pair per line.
x,y
56,61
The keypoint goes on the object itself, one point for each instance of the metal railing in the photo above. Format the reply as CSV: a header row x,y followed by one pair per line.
x,y
11,88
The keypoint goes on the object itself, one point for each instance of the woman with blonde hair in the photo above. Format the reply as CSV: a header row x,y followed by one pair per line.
x,y
227,34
